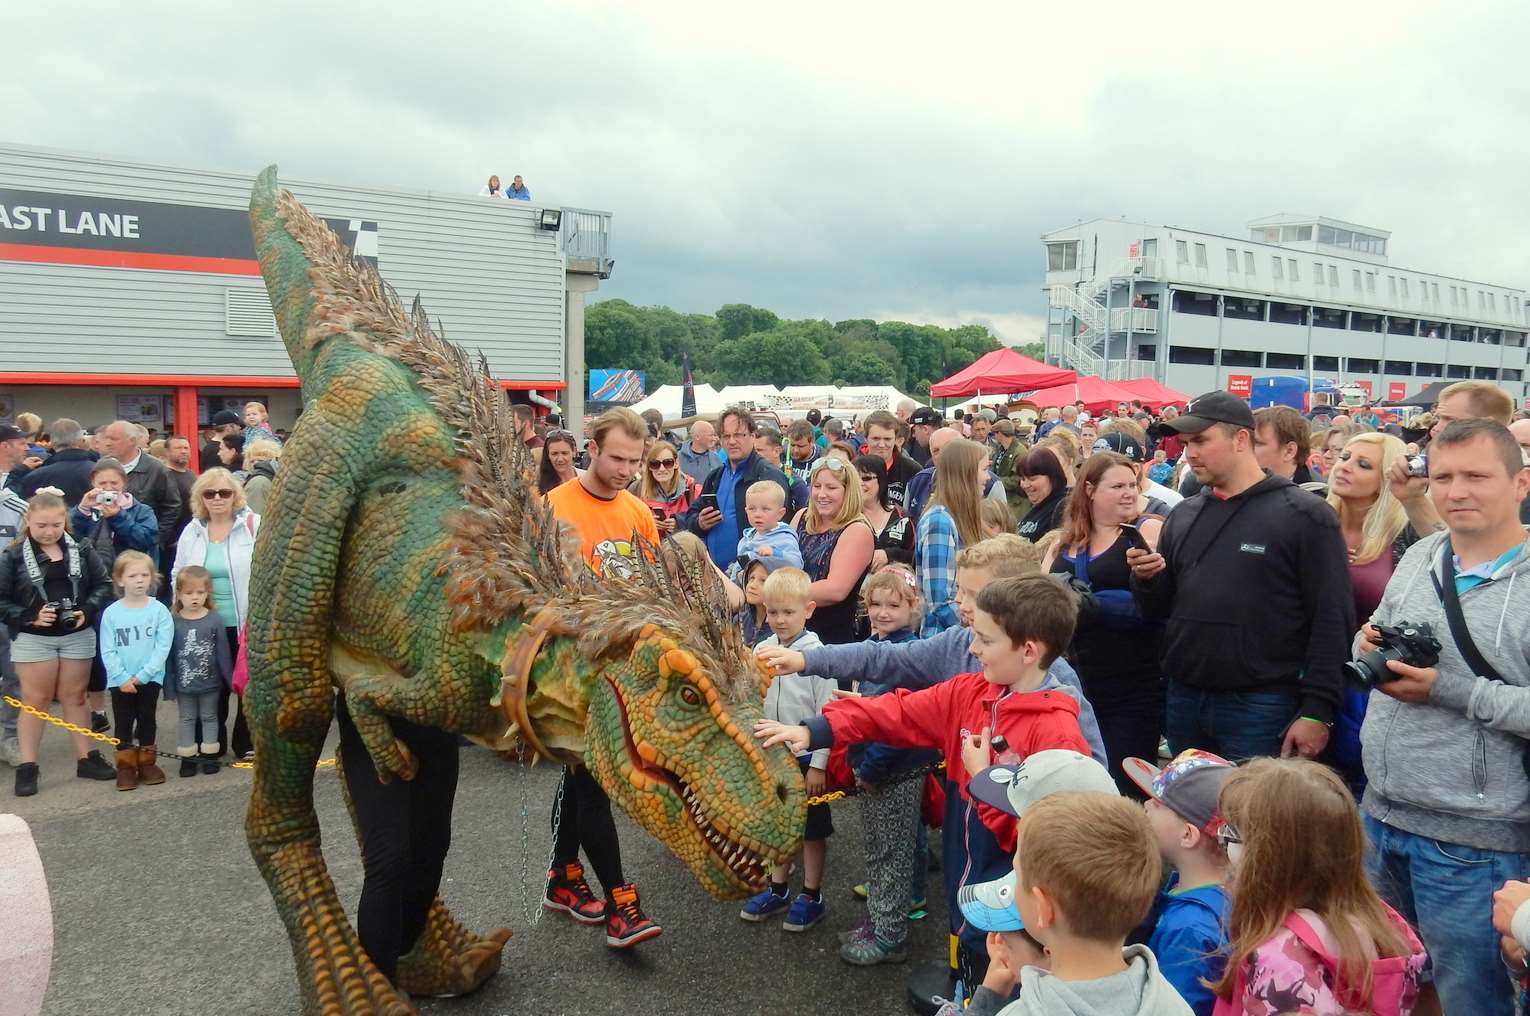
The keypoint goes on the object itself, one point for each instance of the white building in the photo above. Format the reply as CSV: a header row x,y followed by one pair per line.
x,y
1300,295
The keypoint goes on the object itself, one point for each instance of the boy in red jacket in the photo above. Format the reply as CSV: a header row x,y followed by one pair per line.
x,y
1018,629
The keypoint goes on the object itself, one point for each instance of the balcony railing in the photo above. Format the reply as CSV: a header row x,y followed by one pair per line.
x,y
1136,319
586,236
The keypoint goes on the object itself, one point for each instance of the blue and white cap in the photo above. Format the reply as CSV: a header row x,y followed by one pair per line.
x,y
990,906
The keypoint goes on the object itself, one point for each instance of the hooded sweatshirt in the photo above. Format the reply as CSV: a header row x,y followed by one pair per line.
x,y
1454,769
1255,595
1139,990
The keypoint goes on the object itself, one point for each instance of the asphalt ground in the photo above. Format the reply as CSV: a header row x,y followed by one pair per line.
x,y
158,908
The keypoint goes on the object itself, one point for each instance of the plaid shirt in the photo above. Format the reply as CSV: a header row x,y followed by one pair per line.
x,y
935,549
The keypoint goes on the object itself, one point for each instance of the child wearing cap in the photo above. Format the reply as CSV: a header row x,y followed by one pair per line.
x,y
1085,873
1019,627
1187,930
794,698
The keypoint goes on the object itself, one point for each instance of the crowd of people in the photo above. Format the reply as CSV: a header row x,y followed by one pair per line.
x,y
1233,705
124,576
1314,620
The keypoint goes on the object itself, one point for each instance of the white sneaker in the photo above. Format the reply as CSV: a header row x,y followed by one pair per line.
x,y
10,751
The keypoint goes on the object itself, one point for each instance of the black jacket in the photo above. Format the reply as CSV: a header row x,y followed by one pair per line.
x,y
68,469
1255,594
755,469
20,601
152,483
902,470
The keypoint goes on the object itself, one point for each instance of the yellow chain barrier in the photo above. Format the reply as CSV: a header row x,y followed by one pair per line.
x,y
839,795
75,728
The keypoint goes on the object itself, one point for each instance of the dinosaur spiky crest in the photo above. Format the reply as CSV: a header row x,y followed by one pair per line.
x,y
508,554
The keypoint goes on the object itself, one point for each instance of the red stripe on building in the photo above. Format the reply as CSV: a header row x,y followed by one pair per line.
x,y
205,381
126,259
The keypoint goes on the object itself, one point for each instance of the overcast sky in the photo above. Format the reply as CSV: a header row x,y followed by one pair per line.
x,y
833,159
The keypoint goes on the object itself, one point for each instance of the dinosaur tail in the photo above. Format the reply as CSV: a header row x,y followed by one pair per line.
x,y
284,264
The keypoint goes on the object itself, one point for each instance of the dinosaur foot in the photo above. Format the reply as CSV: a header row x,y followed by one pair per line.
x,y
335,975
449,959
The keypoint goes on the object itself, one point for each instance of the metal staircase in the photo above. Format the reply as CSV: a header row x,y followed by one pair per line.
x,y
1084,351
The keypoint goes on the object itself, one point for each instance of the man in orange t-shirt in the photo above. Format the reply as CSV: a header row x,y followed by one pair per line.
x,y
606,516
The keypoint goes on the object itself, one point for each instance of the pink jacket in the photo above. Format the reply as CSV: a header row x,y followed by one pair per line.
x,y
1297,970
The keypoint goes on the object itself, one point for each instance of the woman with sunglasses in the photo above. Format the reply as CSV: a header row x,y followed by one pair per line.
x,y
221,538
894,531
666,489
558,454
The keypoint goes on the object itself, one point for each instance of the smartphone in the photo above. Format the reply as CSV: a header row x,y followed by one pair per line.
x,y
1135,537
658,514
708,501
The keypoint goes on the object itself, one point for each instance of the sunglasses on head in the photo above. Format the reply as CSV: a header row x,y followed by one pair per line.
x,y
209,495
831,464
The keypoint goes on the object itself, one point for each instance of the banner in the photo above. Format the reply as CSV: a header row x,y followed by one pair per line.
x,y
1241,385
1397,391
71,229
617,387
1366,385
688,392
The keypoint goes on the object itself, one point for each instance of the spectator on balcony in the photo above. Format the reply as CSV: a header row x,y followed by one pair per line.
x,y
492,189
518,191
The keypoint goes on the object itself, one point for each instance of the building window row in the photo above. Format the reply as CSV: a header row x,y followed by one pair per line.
x,y
1253,359
1187,301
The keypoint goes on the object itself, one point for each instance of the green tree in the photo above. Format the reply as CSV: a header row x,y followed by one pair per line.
x,y
735,320
774,357
1034,350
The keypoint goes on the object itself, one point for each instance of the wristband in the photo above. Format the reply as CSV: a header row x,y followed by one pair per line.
x,y
1310,719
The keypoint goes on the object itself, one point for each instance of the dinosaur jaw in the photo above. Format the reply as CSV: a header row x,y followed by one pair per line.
x,y
745,861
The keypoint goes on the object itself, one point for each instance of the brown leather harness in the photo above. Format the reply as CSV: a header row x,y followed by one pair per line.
x,y
516,681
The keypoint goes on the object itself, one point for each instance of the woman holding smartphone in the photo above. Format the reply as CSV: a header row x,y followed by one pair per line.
x,y
1114,649
666,489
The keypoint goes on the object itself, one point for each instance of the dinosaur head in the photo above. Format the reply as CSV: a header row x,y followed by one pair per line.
x,y
669,738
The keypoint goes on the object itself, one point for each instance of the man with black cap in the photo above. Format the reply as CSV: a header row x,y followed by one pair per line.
x,y
13,448
921,423
225,421
1252,578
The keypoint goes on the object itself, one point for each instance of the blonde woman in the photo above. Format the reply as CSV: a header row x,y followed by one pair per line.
x,y
837,546
260,459
667,490
221,538
1376,531
951,521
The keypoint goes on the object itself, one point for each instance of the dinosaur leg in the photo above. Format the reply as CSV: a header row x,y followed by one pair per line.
x,y
447,959
290,702
438,698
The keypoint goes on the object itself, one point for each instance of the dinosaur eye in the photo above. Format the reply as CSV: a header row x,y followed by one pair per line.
x,y
690,696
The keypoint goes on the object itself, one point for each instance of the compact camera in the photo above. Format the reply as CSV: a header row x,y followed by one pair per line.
x,y
107,497
1413,644
1418,465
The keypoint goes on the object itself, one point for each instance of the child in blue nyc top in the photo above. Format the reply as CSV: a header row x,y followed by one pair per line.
x,y
135,644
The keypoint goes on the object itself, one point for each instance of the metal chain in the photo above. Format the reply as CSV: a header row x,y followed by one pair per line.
x,y
114,742
531,911
856,791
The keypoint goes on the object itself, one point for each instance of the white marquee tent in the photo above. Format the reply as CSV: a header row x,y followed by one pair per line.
x,y
667,401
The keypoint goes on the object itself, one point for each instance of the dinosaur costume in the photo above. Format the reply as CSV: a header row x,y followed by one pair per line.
x,y
406,558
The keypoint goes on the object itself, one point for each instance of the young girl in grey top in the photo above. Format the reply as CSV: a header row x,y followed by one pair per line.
x,y
200,665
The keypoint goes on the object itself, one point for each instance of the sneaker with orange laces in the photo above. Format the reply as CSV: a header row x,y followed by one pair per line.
x,y
567,891
626,924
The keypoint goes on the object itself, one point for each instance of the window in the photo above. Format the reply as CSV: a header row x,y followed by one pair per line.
x,y
1062,257
1325,363
1291,264
1355,278
1463,333
1150,248
1285,361
1402,367
1248,262
1357,366
1268,235
1458,370
1189,302
1403,286
1333,276
1485,373
1510,374
1431,329
1392,288
1481,303
1192,354
1241,309
1492,336
1325,235
1402,326
1370,283
1242,358
1317,272
1296,233
1343,238
1359,322
1200,255
1493,302
1288,313
1453,302
1232,260
1434,291
1181,252
1514,339
1429,369
1276,268
1327,317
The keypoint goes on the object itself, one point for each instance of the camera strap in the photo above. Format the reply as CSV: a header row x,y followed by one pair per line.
x,y
1445,586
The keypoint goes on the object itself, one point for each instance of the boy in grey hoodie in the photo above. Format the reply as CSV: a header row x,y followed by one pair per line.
x,y
1447,808
1086,872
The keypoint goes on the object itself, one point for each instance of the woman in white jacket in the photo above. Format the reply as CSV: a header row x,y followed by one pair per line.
x,y
221,538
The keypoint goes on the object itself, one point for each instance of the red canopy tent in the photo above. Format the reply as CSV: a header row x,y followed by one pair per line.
x,y
1095,393
1001,372
1154,395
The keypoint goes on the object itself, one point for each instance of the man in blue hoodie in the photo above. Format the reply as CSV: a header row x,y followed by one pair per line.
x,y
1447,806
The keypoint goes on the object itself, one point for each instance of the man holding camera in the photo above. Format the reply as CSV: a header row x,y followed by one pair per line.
x,y
1445,745
1464,400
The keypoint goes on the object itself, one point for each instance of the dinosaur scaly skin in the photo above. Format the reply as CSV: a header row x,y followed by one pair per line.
x,y
401,557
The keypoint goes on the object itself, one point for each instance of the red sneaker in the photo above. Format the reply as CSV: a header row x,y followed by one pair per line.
x,y
625,923
569,892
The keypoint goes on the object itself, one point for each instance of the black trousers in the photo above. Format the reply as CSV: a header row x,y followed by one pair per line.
x,y
241,742
133,714
406,830
585,821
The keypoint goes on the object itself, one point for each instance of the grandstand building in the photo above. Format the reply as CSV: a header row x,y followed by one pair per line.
x,y
1299,295
130,290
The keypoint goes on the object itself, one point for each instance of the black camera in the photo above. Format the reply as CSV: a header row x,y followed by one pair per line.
x,y
1413,644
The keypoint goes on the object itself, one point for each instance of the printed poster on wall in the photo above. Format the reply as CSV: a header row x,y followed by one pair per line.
x,y
7,409
1241,385
1397,391
148,410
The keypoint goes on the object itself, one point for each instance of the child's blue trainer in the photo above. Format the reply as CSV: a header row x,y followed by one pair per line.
x,y
805,913
763,906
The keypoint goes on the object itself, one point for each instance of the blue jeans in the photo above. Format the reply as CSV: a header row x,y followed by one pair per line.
x,y
1234,724
1445,890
